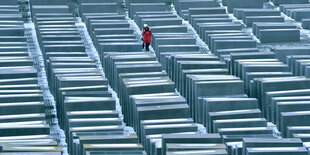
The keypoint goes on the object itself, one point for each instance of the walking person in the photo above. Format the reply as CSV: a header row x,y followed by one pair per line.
x,y
147,35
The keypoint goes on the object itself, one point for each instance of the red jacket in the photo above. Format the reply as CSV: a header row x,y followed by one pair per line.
x,y
147,35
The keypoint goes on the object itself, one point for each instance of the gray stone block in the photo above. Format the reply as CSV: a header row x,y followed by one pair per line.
x,y
138,7
188,64
136,68
108,25
249,20
18,72
25,130
245,131
119,36
216,88
176,38
84,122
272,84
218,32
286,7
214,39
250,76
36,150
297,129
165,58
164,111
278,2
305,23
19,81
116,147
58,31
193,17
271,95
49,9
239,123
169,128
244,4
266,25
277,150
169,28
81,81
289,106
103,18
176,48
303,137
270,142
110,31
252,55
275,100
300,67
220,152
21,97
107,139
214,10
120,47
236,114
299,14
88,94
52,15
292,61
186,72
192,79
60,37
283,52
39,2
307,71
261,67
17,62
189,139
27,107
143,57
139,17
161,21
218,28
230,44
103,103
174,41
147,87
236,50
279,35
224,34
237,140
68,48
14,31
35,153
186,4
290,119
150,130
55,22
13,39
164,122
98,7
13,2
223,104
241,13
209,20
190,147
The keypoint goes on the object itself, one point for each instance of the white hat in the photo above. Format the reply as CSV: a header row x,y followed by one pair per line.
x,y
145,25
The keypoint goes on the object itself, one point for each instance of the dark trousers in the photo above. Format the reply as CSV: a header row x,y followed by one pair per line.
x,y
147,45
